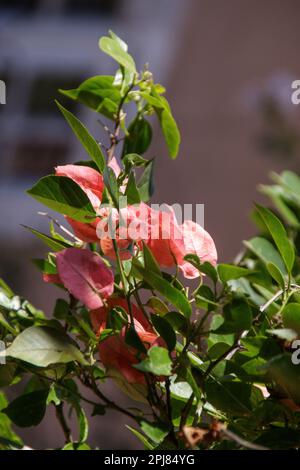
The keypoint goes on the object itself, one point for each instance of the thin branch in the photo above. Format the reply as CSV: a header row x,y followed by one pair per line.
x,y
91,383
242,442
185,412
115,134
61,227
62,421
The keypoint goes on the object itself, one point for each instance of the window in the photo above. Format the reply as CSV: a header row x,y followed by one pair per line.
x,y
38,157
21,5
106,7
44,91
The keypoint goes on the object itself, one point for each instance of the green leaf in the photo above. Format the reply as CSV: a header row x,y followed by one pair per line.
x,y
290,182
132,160
141,437
205,298
64,196
204,268
165,330
82,422
167,122
277,194
44,266
145,184
29,409
7,374
265,251
173,295
177,321
231,397
286,375
98,93
279,235
42,346
4,287
8,439
238,317
53,395
133,339
158,306
156,431
85,138
111,184
291,317
61,309
76,446
170,131
276,274
112,47
230,271
139,137
132,192
51,243
158,362
116,319
150,262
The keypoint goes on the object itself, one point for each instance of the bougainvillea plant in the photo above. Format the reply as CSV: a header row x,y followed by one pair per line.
x,y
208,364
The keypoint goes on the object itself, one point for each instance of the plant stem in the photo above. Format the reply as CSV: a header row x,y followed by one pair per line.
x,y
115,134
59,410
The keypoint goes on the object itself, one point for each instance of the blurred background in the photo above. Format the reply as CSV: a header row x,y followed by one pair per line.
x,y
228,67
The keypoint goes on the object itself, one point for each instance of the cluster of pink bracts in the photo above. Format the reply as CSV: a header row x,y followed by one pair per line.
x,y
85,275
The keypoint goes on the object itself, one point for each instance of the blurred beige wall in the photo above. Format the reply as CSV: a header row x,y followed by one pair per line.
x,y
227,48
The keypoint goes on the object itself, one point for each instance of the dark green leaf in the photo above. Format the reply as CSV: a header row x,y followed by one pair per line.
x,y
132,192
279,235
177,298
291,317
230,271
276,274
133,339
111,184
64,196
265,251
145,184
29,409
156,431
61,309
286,375
205,268
165,330
51,243
139,137
158,362
85,138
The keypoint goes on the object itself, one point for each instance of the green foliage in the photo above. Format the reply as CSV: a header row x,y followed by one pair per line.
x,y
63,195
42,346
87,141
221,353
158,362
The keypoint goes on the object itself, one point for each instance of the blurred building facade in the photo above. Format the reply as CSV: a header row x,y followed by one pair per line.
x,y
46,45
213,55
